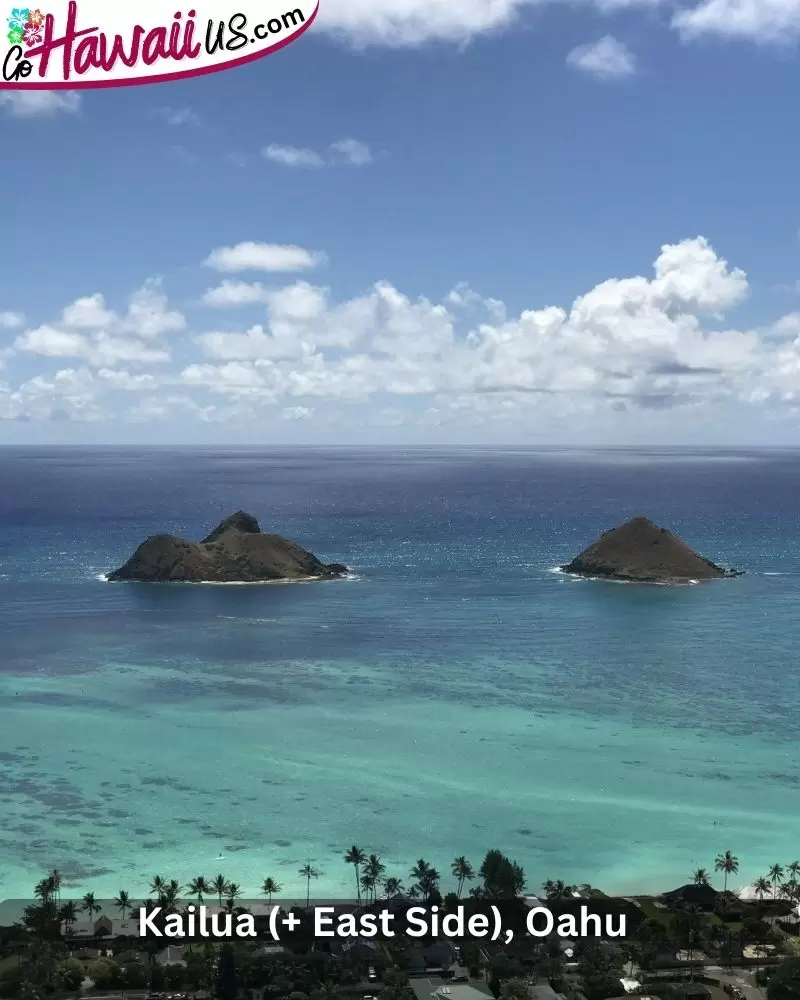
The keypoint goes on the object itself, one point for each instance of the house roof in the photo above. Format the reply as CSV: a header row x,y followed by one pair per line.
x,y
692,893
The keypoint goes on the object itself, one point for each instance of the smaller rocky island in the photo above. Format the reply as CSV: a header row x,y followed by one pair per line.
x,y
236,551
641,552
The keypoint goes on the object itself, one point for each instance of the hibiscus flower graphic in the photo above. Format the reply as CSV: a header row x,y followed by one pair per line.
x,y
15,36
36,18
32,35
19,18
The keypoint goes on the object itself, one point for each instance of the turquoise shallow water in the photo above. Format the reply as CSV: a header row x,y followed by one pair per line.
x,y
455,695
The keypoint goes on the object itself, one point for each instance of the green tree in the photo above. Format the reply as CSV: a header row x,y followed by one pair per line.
x,y
308,872
72,975
463,871
198,887
501,876
392,887
226,986
700,877
123,902
775,875
68,914
515,989
761,886
103,972
220,887
728,864
784,983
90,905
356,857
270,888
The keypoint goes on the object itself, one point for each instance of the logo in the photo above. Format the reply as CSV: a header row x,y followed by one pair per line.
x,y
91,43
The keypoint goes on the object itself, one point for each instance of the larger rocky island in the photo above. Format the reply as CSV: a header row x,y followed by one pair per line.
x,y
639,551
236,551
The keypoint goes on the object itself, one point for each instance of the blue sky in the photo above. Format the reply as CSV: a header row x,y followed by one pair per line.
x,y
439,222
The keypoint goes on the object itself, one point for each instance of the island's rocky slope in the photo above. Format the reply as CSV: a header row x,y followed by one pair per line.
x,y
641,551
236,551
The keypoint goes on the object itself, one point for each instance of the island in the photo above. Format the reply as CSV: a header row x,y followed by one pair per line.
x,y
642,552
236,551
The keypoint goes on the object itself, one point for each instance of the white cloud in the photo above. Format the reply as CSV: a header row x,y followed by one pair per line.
x,y
251,256
149,314
291,156
772,21
88,329
10,320
607,59
89,312
353,152
99,349
176,116
297,413
344,152
234,293
640,343
39,103
400,23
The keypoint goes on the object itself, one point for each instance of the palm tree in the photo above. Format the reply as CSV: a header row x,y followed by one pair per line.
x,y
197,887
419,870
429,882
700,877
308,873
123,902
90,905
463,871
157,884
369,884
270,887
375,868
44,890
55,880
234,891
761,885
413,892
220,887
68,914
793,868
392,887
727,863
356,857
775,875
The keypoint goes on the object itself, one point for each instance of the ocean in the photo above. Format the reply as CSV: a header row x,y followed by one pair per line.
x,y
454,695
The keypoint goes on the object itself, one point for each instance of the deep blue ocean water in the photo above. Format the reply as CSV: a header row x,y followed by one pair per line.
x,y
455,695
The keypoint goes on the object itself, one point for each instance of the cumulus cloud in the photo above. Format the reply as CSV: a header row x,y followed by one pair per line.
x,y
10,320
291,156
400,23
263,257
100,349
608,59
344,152
229,294
39,103
89,330
650,342
411,23
771,21
352,152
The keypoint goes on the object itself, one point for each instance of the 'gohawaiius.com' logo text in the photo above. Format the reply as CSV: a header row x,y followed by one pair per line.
x,y
92,43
